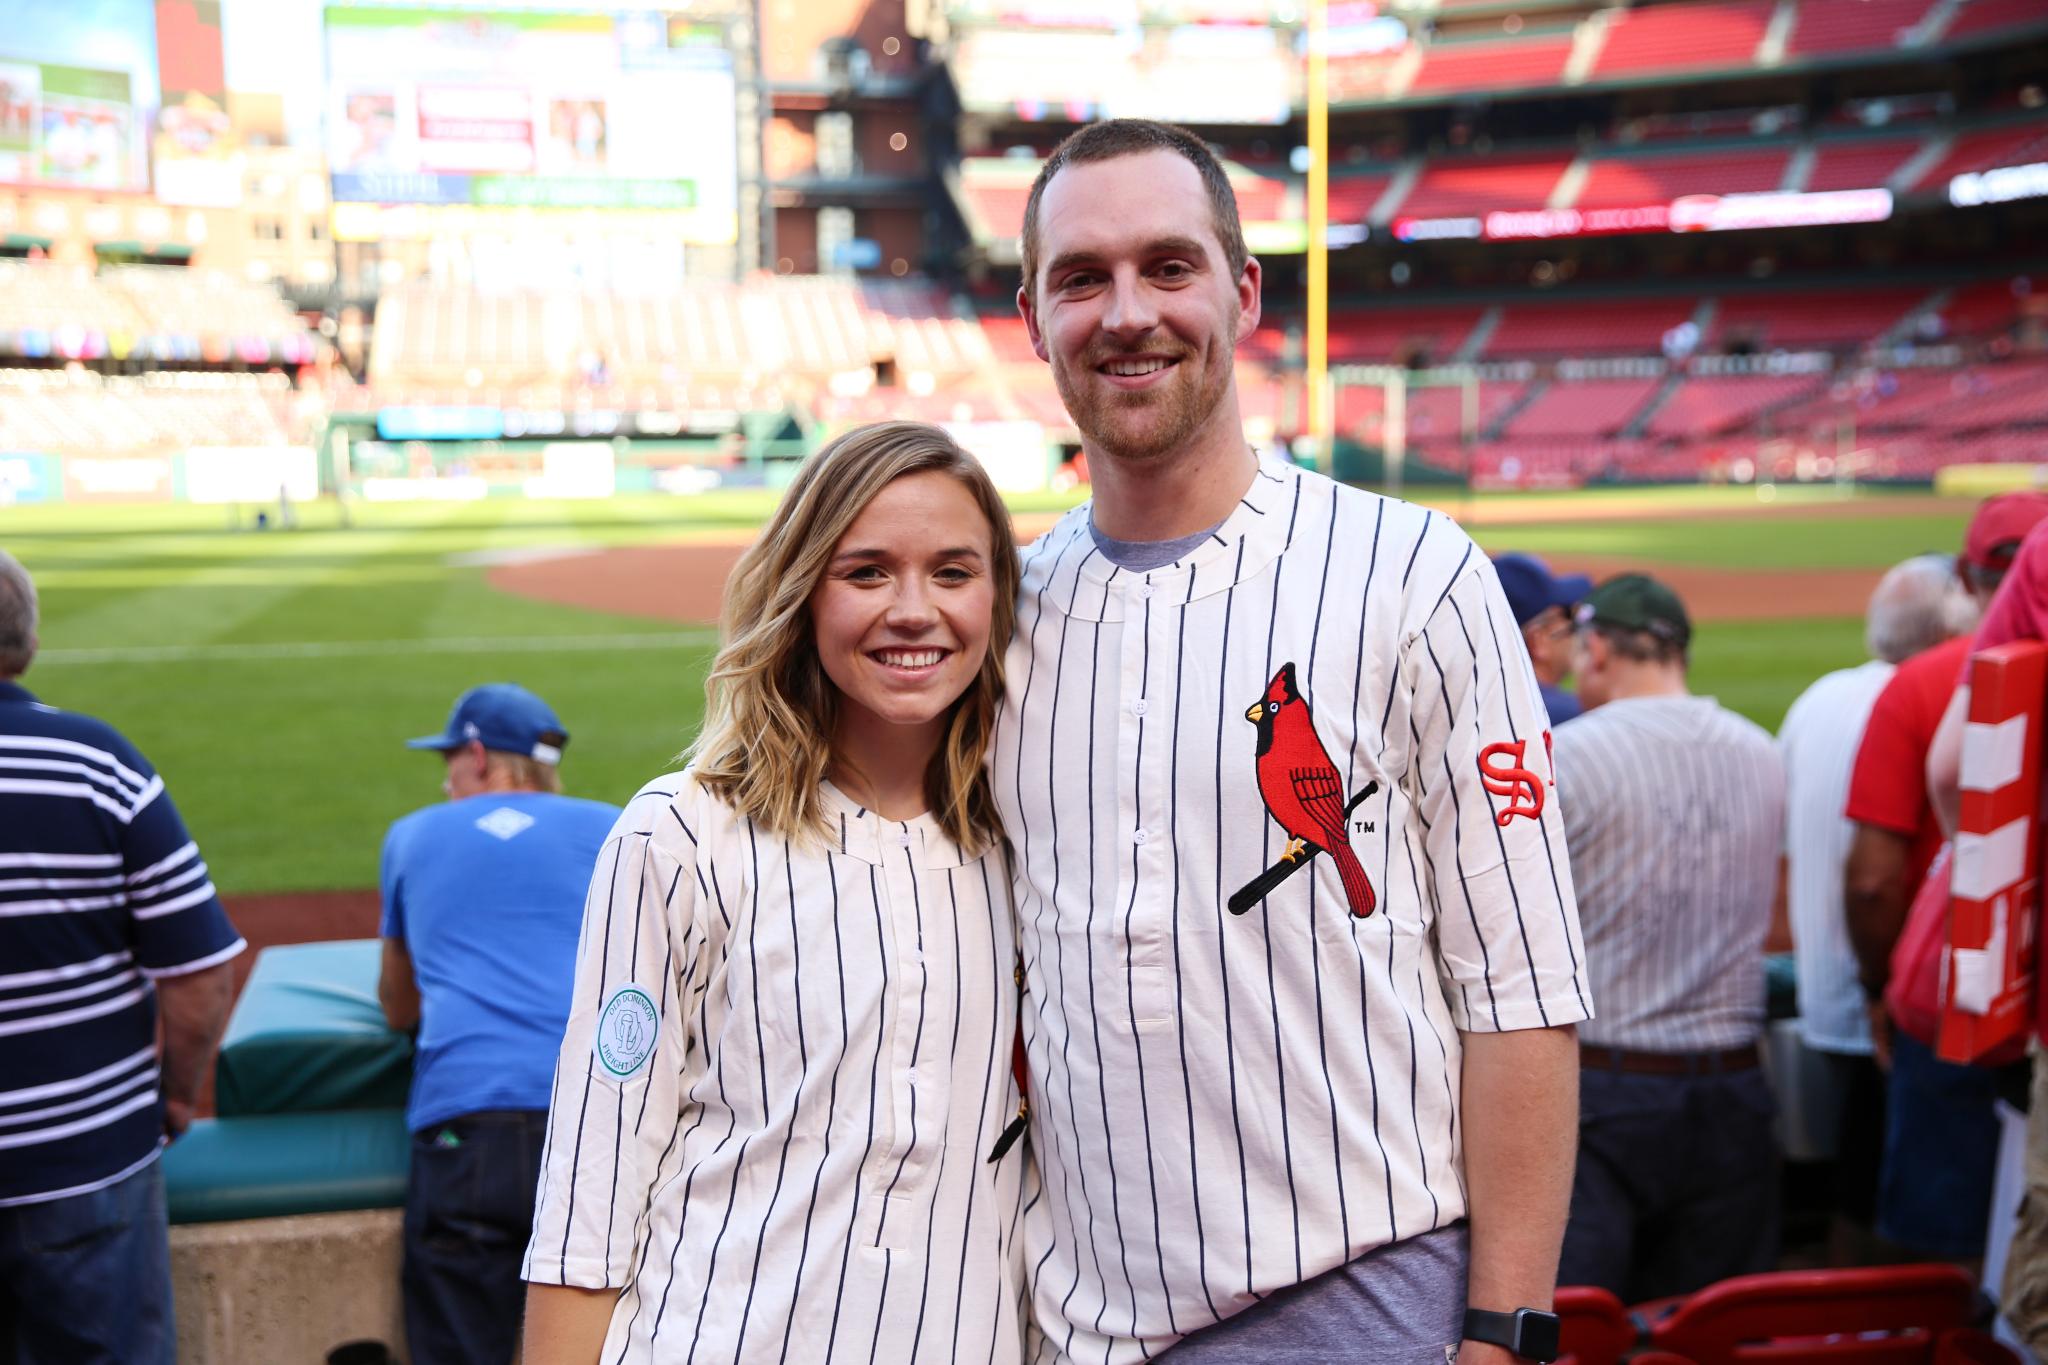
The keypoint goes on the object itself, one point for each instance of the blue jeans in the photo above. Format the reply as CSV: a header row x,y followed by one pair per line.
x,y
468,1215
1940,1152
1677,1182
87,1279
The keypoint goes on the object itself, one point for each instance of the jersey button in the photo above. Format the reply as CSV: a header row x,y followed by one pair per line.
x,y
1146,590
1139,708
1138,836
903,838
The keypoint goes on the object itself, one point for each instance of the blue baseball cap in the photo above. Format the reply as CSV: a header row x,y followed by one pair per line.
x,y
1533,589
501,716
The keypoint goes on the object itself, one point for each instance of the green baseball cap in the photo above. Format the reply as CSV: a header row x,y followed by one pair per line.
x,y
1636,601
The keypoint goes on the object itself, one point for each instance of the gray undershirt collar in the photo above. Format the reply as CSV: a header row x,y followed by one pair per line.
x,y
1143,556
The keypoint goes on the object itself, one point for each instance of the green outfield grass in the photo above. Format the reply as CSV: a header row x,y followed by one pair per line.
x,y
270,675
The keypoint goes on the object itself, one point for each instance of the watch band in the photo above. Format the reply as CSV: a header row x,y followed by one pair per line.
x,y
1528,1332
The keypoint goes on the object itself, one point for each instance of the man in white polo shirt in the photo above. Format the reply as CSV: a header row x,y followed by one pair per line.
x,y
1916,606
1300,945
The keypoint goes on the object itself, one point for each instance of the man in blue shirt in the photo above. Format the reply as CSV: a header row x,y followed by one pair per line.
x,y
114,989
1542,603
483,903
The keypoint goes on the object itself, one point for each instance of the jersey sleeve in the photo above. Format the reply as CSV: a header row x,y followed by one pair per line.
x,y
179,923
1508,946
1886,787
391,885
619,1077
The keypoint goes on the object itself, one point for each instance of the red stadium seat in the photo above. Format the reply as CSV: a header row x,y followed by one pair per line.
x,y
1823,27
1673,37
1967,1346
1594,1327
1985,149
1793,320
1887,1315
1985,16
1493,66
1630,181
1858,163
1593,327
1456,186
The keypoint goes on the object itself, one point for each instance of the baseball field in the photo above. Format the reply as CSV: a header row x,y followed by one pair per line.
x,y
271,674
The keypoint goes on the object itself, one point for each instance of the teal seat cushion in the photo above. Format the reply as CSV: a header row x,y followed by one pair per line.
x,y
279,1165
308,1034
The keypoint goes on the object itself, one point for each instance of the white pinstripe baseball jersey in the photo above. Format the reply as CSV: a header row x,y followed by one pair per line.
x,y
1675,809
782,1072
1228,1103
1817,744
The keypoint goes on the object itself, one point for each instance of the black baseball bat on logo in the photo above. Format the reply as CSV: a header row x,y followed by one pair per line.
x,y
1261,886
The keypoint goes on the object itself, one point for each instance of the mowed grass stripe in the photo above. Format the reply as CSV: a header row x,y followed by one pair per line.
x,y
350,649
1789,541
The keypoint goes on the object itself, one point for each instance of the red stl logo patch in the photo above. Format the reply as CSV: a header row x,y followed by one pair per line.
x,y
1503,769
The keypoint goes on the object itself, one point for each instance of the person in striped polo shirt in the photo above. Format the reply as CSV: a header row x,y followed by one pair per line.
x,y
1675,811
1300,945
109,928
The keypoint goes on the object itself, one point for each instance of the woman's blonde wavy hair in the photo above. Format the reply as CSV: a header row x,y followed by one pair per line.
x,y
771,709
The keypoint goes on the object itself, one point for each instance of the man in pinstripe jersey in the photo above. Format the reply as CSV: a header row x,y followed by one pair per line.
x,y
1675,816
1300,942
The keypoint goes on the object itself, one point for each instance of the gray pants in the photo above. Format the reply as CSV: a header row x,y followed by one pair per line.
x,y
1402,1304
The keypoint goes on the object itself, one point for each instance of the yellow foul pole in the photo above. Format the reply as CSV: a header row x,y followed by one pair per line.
x,y
1318,113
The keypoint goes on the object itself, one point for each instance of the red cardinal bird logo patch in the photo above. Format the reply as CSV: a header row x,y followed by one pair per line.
x,y
1304,793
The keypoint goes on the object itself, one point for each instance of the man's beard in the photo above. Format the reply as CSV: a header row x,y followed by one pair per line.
x,y
1177,411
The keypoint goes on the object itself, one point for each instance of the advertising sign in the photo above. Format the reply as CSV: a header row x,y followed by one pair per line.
x,y
197,157
534,109
144,478
78,81
260,474
1690,213
28,478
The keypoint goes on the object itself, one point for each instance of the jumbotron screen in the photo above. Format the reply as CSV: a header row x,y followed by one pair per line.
x,y
78,87
534,109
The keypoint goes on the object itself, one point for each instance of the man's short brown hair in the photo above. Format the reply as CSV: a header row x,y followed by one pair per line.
x,y
1127,137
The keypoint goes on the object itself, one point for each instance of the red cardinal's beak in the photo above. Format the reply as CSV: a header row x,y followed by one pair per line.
x,y
1258,710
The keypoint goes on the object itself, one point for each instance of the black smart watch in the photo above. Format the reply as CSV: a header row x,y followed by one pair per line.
x,y
1527,1332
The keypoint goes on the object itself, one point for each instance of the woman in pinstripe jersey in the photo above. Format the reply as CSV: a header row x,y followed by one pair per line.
x,y
789,1053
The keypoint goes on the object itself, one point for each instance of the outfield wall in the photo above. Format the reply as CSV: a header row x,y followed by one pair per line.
x,y
208,474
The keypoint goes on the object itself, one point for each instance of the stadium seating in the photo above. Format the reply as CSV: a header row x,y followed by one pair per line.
x,y
1585,408
439,334
1988,307
1672,37
87,414
1825,28
1707,405
162,313
1536,60
1352,197
1985,148
1596,327
1456,186
1796,320
1874,1314
1373,335
1623,181
1858,163
1978,17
